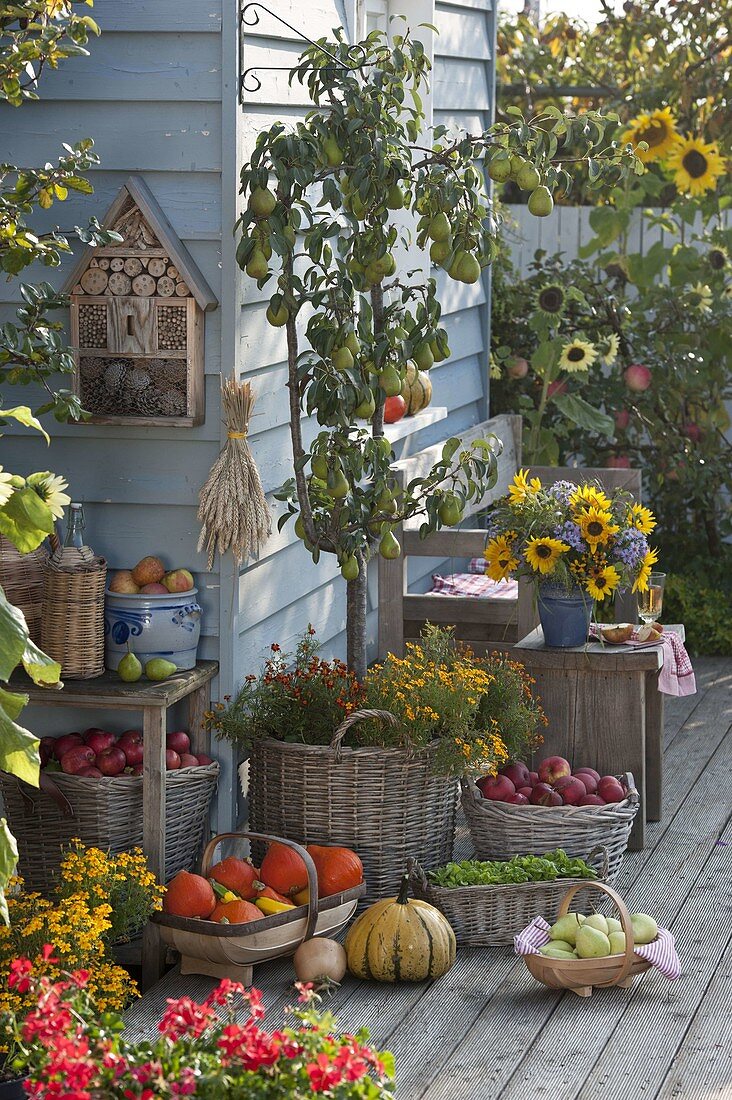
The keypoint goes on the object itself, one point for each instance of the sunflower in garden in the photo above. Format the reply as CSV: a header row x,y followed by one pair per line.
x,y
597,527
696,164
551,299
704,295
642,519
641,581
601,581
658,130
613,347
542,554
501,558
577,355
718,257
522,487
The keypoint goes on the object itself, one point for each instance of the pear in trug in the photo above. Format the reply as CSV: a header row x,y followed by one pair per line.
x,y
566,928
596,920
159,669
613,925
557,950
129,669
645,928
617,943
592,943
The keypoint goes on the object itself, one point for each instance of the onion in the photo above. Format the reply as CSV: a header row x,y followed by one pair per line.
x,y
320,961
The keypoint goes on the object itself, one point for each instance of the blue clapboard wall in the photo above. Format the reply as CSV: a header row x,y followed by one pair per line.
x,y
159,97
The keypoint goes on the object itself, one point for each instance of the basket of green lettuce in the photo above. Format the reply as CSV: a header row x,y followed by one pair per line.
x,y
488,901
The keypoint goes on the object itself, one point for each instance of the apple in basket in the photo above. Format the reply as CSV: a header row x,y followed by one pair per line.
x,y
112,761
187,760
518,773
571,789
67,741
496,787
99,740
178,741
543,795
78,757
610,789
131,744
553,768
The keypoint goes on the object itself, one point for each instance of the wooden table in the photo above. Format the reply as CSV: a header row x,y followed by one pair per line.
x,y
605,711
152,700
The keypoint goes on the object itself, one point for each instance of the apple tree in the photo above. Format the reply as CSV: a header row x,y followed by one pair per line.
x,y
330,203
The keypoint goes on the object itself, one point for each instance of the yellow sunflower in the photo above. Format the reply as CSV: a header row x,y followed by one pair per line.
x,y
522,487
613,347
642,518
696,164
641,581
577,355
704,295
589,496
501,559
657,129
601,582
542,554
597,527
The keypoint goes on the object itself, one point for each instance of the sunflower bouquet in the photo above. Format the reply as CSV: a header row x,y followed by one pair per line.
x,y
572,536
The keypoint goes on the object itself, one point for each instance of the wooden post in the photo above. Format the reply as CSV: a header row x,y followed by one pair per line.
x,y
199,702
153,830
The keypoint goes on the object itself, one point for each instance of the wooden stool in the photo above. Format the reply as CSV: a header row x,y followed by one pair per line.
x,y
605,711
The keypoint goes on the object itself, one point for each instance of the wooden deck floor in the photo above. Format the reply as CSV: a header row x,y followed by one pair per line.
x,y
487,1030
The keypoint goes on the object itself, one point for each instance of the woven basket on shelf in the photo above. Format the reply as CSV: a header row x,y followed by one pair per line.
x,y
490,916
72,630
386,804
22,577
500,830
106,813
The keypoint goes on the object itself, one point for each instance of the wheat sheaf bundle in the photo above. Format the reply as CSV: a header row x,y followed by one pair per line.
x,y
233,512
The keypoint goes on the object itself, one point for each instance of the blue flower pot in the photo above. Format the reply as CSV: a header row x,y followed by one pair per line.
x,y
564,616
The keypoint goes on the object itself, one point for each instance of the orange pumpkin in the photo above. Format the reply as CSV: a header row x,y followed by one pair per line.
x,y
284,870
338,869
268,892
237,875
235,912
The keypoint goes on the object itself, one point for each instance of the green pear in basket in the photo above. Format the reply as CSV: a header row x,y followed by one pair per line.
x,y
596,920
592,943
567,927
645,928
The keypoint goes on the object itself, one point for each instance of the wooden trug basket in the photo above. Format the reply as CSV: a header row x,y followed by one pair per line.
x,y
581,975
232,950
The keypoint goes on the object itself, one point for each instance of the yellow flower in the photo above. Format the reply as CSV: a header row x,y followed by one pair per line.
x,y
696,164
542,554
589,496
642,518
613,347
501,558
601,582
597,527
577,355
658,130
704,294
522,487
641,581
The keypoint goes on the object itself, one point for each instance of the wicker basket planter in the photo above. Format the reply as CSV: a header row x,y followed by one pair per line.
x,y
490,916
106,813
72,629
386,804
500,830
22,577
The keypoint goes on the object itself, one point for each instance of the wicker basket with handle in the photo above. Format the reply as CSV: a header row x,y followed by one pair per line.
x,y
581,975
490,916
72,629
500,830
386,804
22,577
106,813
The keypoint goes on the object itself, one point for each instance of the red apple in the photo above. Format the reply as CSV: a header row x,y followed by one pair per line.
x,y
154,589
589,781
517,772
61,745
178,580
99,740
571,788
692,431
637,377
394,409
591,800
204,759
519,368
622,419
553,768
496,787
610,789
137,770
45,749
131,744
533,778
617,462
188,761
172,760
179,741
517,799
90,772
543,795
112,761
76,758
525,791
590,771
556,388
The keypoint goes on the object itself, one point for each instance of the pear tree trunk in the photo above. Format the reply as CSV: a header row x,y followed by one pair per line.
x,y
356,621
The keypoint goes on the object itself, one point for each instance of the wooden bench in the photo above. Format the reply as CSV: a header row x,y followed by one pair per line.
x,y
484,623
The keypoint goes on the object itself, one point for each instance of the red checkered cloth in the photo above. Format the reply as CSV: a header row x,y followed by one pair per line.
x,y
468,584
677,674
477,565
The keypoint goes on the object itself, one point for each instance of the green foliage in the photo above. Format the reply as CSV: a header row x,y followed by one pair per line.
x,y
698,593
37,34
493,872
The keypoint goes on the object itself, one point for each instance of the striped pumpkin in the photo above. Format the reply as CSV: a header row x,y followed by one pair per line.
x,y
416,389
400,939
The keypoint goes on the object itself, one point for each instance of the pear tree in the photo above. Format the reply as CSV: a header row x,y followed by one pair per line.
x,y
333,205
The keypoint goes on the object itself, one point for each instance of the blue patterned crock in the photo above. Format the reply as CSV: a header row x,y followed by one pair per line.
x,y
153,626
564,615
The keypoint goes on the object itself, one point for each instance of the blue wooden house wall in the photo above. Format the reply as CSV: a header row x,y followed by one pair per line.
x,y
159,96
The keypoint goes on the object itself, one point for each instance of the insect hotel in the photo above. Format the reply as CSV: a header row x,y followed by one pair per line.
x,y
137,320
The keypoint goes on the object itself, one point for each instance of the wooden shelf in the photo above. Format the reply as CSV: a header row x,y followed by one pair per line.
x,y
408,425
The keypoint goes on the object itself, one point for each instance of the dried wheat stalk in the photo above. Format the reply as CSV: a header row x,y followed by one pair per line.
x,y
233,512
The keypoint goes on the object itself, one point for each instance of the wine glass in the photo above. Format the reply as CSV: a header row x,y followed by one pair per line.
x,y
650,600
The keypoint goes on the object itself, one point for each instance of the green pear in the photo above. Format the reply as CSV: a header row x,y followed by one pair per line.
x,y
342,358
319,466
262,202
450,512
332,152
566,928
352,343
129,669
395,197
557,951
592,943
159,669
596,920
541,202
300,528
389,547
617,943
439,251
423,356
439,228
337,483
257,266
390,381
517,163
528,179
645,928
613,925
500,170
366,409
349,568
465,268
278,317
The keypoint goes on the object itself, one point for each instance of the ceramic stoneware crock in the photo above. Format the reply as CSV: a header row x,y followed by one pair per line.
x,y
152,626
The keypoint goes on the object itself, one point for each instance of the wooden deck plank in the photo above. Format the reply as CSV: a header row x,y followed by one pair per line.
x,y
708,672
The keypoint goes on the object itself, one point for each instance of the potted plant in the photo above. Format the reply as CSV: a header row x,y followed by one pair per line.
x,y
576,544
374,765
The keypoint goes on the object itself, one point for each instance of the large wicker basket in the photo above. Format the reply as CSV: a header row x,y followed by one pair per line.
x,y
106,813
22,576
500,830
386,804
490,916
72,630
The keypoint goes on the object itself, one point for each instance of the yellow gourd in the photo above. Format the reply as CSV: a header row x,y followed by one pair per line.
x,y
400,939
416,389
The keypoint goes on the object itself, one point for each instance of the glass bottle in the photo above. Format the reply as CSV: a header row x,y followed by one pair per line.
x,y
75,527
